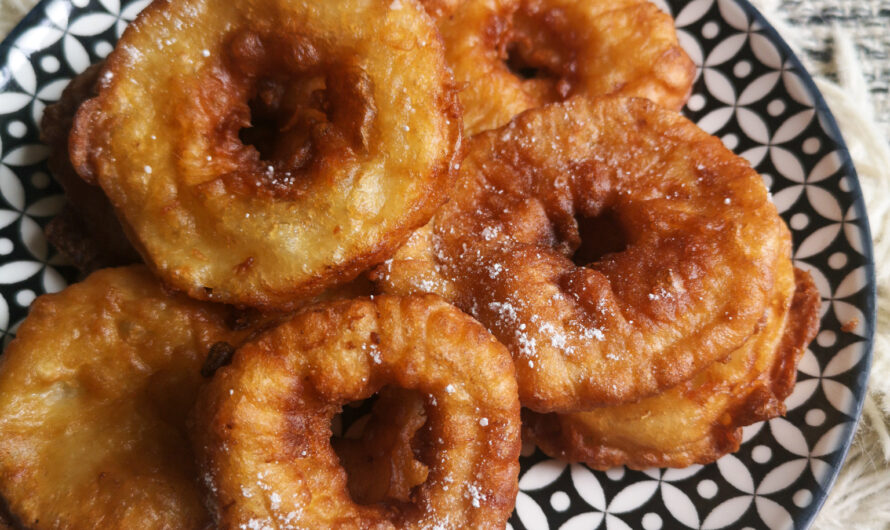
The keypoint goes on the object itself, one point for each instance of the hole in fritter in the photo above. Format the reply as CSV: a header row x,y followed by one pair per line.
x,y
539,54
379,442
282,115
517,63
600,235
302,112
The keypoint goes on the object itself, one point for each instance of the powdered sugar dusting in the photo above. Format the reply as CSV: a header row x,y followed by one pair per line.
x,y
373,351
257,524
475,494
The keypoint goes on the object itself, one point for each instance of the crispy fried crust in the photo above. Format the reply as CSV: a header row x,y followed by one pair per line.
x,y
698,421
262,426
364,137
87,231
512,55
94,393
703,242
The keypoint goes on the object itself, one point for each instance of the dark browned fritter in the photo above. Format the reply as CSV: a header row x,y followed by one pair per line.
x,y
700,420
699,247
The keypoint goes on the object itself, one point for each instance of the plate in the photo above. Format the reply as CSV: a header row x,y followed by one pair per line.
x,y
750,91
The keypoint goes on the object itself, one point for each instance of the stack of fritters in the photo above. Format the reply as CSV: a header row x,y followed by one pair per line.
x,y
396,200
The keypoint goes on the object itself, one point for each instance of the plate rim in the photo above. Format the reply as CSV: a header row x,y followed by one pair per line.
x,y
36,17
829,122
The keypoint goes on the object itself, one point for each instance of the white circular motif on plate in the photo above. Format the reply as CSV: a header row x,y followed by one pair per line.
x,y
103,48
710,30
49,64
767,180
616,473
696,102
25,297
730,140
742,69
837,260
811,145
799,221
815,417
707,488
761,454
803,498
560,501
826,338
652,521
775,107
17,129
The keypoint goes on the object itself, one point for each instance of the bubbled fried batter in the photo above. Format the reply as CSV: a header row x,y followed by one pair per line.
x,y
279,150
702,243
700,420
513,55
262,427
94,393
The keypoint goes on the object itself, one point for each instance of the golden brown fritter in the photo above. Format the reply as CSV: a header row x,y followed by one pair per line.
x,y
94,394
682,285
700,420
513,55
258,153
262,427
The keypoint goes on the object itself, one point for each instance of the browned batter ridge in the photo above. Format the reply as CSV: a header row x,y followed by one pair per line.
x,y
262,427
257,153
513,55
700,420
613,246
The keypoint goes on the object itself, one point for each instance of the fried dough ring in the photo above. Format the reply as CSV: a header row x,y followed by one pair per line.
x,y
262,426
364,138
702,243
94,394
587,47
700,420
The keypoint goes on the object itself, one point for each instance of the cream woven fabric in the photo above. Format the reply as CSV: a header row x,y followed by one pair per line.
x,y
846,46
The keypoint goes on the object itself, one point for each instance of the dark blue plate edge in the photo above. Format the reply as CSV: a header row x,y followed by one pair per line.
x,y
870,310
35,17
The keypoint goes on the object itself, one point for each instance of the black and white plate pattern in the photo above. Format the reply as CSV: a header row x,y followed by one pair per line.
x,y
751,92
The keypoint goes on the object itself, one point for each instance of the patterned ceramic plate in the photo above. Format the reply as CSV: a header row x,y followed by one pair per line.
x,y
751,92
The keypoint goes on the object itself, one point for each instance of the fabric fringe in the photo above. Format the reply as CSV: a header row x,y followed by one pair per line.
x,y
11,11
